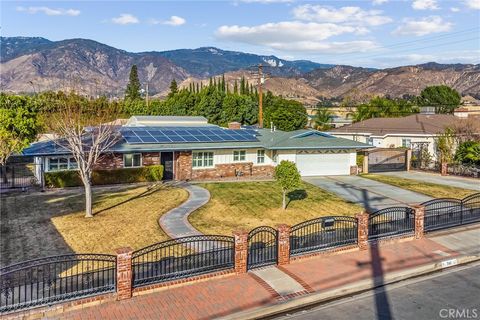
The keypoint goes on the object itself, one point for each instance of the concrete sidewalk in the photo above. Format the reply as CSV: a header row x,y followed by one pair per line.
x,y
248,295
452,181
373,195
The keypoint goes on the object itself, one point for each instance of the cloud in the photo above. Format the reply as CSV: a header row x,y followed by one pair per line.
x,y
346,15
125,18
378,2
49,11
424,26
175,21
295,36
425,5
454,9
473,4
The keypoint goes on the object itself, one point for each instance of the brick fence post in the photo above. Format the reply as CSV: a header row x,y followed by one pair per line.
x,y
444,169
124,273
283,244
409,159
419,221
362,219
365,163
241,250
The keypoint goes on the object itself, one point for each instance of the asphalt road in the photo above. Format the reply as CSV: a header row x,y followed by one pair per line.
x,y
450,294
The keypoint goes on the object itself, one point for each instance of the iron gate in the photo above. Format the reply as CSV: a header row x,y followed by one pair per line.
x,y
20,175
382,160
262,247
390,222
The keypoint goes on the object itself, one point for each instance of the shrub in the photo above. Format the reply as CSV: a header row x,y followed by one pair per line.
x,y
61,179
360,158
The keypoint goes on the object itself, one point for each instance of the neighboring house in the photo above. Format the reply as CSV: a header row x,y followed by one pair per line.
x,y
190,148
409,132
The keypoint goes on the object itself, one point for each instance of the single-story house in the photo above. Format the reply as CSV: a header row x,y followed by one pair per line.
x,y
409,132
189,148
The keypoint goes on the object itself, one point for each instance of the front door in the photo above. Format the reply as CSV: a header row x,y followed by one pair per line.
x,y
166,160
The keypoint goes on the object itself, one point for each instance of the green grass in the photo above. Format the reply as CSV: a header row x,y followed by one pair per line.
x,y
247,205
430,189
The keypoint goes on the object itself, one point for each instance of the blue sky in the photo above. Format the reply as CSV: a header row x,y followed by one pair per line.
x,y
373,33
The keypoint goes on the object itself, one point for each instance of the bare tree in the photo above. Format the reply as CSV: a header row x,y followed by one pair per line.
x,y
87,135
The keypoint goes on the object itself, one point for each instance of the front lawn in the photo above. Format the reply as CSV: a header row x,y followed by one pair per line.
x,y
430,189
248,205
52,223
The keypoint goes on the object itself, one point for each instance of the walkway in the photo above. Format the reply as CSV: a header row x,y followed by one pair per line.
x,y
175,222
224,296
373,195
453,181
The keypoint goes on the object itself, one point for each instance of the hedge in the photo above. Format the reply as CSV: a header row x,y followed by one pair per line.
x,y
61,179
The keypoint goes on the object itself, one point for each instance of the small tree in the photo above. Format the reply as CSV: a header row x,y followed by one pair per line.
x,y
86,136
173,88
323,118
445,146
443,98
288,178
133,88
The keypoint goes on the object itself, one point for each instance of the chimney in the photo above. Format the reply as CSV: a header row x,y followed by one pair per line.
x,y
234,125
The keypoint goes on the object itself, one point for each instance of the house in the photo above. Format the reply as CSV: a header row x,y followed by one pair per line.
x,y
418,130
190,148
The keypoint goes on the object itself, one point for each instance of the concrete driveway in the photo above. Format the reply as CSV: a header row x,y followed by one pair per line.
x,y
371,194
454,181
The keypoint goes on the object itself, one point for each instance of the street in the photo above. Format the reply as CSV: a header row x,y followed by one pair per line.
x,y
451,294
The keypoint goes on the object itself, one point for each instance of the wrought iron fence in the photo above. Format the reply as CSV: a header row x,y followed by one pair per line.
x,y
182,257
323,233
262,247
449,212
20,175
52,279
390,222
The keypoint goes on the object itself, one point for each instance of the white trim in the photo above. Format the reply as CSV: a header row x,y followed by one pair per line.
x,y
47,163
239,156
203,160
133,154
428,135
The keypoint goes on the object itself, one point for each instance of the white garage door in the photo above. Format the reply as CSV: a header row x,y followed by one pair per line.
x,y
321,164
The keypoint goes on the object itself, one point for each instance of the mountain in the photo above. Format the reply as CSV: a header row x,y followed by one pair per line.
x,y
209,61
14,47
361,84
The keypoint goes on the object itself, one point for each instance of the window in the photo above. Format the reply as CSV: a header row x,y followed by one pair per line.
x,y
406,143
239,155
62,163
260,156
202,160
132,160
370,141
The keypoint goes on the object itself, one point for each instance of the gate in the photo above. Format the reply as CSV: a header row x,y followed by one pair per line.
x,y
390,222
383,160
22,175
262,247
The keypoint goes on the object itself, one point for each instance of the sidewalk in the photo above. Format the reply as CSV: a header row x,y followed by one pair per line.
x,y
223,297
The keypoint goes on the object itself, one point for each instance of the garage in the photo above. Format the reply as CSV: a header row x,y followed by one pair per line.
x,y
324,164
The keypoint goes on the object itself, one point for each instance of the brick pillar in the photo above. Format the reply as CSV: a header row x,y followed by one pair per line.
x,y
365,163
409,159
353,170
419,221
241,250
444,169
362,219
124,273
283,244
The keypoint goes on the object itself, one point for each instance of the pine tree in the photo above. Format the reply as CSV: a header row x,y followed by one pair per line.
x,y
247,91
242,85
235,87
133,88
198,91
173,88
223,83
251,88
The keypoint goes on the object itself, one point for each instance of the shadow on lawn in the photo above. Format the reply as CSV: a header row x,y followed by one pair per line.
x,y
296,195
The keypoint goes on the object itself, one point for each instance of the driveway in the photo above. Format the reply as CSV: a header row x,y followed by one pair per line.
x,y
373,195
454,181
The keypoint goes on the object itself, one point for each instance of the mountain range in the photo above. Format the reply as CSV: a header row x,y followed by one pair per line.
x,y
33,64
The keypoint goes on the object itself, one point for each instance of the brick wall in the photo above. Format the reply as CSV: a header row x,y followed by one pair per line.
x,y
150,158
183,165
110,161
232,170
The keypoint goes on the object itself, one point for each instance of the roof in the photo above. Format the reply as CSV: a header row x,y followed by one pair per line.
x,y
141,121
413,124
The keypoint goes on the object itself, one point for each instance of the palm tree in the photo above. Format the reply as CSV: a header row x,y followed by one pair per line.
x,y
323,118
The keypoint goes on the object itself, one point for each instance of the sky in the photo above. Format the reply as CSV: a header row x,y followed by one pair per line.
x,y
368,33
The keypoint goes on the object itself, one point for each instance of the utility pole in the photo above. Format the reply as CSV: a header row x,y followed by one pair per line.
x,y
260,96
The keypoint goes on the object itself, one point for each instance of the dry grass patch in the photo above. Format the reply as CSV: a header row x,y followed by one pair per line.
x,y
251,204
430,189
128,218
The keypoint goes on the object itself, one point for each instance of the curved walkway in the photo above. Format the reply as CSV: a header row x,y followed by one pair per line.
x,y
175,222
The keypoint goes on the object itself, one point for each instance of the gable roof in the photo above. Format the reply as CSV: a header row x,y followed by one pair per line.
x,y
413,124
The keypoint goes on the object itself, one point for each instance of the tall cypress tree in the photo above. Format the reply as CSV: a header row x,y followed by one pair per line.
x,y
173,88
235,87
223,83
242,85
198,91
133,88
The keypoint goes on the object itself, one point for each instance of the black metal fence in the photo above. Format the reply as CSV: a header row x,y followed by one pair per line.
x,y
323,233
182,257
390,222
53,279
20,175
262,247
449,212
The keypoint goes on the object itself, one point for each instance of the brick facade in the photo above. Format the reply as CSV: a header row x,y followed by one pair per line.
x,y
183,165
283,244
110,161
150,158
362,219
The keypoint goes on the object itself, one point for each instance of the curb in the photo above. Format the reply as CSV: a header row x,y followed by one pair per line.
x,y
314,299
